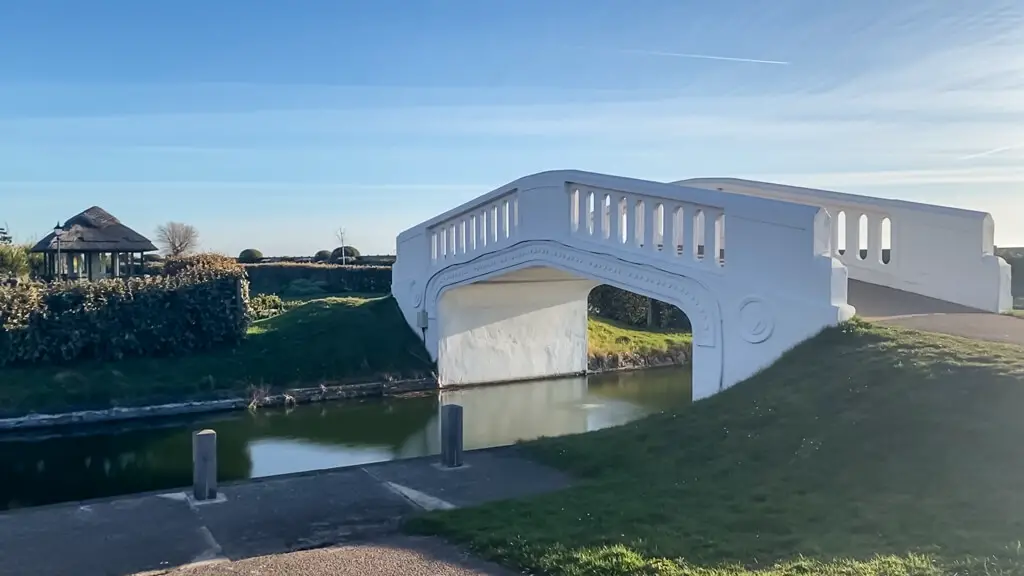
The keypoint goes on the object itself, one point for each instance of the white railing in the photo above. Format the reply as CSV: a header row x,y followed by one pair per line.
x,y
937,251
484,226
667,228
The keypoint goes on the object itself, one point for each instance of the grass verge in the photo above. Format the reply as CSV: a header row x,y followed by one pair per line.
x,y
866,451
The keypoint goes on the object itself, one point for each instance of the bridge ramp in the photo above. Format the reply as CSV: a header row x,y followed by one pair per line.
x,y
936,251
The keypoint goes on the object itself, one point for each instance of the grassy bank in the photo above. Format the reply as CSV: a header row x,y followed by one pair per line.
x,y
609,337
331,340
865,451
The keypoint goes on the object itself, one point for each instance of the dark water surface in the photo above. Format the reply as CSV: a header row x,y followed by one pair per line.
x,y
106,460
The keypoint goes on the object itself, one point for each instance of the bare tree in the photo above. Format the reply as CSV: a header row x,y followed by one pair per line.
x,y
177,239
340,235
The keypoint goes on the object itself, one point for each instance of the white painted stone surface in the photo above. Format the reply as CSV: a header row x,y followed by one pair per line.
x,y
936,251
530,323
497,287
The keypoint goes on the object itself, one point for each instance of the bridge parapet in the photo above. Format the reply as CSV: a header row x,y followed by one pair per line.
x,y
936,251
663,225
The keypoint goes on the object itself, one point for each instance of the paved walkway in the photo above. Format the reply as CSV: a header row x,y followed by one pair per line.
x,y
899,308
358,509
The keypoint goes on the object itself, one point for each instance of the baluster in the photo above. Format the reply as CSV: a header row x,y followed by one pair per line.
x,y
874,239
834,213
852,236
710,237
686,236
650,224
581,212
668,234
615,219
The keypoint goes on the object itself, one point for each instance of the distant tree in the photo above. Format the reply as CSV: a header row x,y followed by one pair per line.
x,y
344,254
347,252
5,237
250,256
322,256
177,239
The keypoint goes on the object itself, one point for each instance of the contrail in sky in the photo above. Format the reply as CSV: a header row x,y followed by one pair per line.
x,y
991,152
702,56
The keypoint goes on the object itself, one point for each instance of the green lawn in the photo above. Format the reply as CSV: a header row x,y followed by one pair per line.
x,y
865,451
609,337
329,340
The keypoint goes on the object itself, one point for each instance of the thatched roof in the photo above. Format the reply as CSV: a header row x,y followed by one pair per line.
x,y
95,230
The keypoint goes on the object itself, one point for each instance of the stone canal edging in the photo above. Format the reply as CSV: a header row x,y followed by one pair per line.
x,y
258,399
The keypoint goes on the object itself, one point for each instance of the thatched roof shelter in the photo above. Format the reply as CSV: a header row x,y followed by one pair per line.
x,y
95,230
93,245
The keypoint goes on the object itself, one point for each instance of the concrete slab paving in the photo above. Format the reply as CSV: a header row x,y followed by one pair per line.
x,y
108,538
299,512
487,476
271,521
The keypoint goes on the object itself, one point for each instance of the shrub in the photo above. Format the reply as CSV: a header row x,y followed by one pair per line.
x,y
250,256
152,257
197,307
265,306
14,261
322,256
308,279
207,262
1016,275
347,251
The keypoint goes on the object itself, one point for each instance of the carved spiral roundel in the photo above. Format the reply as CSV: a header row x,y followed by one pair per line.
x,y
417,295
756,320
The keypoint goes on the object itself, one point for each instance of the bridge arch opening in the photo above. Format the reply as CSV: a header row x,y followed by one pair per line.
x,y
649,331
527,318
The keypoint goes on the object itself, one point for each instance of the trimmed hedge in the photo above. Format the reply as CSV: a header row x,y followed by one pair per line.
x,y
288,279
199,303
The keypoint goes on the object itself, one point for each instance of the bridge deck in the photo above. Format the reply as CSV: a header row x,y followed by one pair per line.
x,y
899,308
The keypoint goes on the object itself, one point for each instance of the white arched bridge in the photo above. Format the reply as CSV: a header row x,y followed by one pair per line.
x,y
498,287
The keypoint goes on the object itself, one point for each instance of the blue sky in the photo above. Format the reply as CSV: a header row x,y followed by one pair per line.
x,y
270,124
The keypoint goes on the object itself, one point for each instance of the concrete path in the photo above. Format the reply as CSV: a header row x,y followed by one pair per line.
x,y
359,508
899,308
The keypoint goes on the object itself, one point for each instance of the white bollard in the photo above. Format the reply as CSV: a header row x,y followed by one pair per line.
x,y
204,465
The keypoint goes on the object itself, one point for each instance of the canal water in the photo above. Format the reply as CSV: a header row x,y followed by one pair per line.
x,y
112,459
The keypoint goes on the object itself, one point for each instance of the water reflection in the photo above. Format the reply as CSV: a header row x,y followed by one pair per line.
x,y
119,459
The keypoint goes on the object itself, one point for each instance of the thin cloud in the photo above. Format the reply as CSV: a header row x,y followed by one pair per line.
x,y
702,56
991,152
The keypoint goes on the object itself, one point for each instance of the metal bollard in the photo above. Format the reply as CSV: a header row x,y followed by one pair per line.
x,y
204,465
451,435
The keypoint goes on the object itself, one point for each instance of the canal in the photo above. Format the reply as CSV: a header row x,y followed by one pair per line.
x,y
45,467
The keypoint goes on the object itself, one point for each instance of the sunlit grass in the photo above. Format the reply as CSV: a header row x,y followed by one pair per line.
x,y
866,451
610,337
